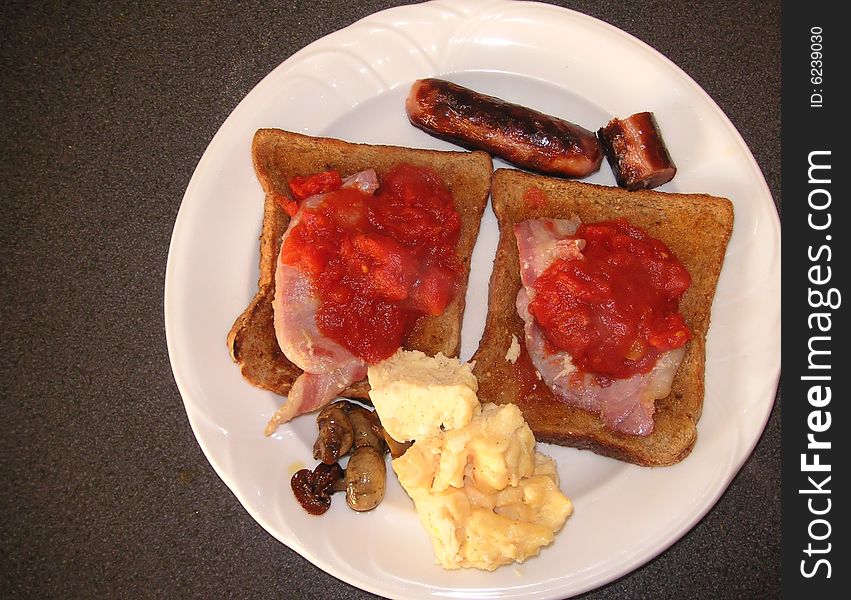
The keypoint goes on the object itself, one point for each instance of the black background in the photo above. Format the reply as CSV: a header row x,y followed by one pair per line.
x,y
107,108
807,129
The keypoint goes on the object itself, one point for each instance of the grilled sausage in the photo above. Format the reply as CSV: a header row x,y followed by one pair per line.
x,y
524,137
636,152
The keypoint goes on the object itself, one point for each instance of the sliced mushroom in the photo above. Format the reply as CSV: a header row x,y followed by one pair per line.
x,y
313,489
366,476
335,432
367,429
396,447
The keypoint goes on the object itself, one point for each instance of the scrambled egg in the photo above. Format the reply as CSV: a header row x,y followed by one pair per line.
x,y
418,395
483,493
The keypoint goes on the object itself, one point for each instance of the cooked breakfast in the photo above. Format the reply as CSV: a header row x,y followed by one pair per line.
x,y
598,310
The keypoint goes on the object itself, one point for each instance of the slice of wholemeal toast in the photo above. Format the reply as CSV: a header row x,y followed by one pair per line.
x,y
695,227
280,155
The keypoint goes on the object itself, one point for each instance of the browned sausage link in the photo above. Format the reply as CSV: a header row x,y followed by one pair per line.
x,y
522,136
636,152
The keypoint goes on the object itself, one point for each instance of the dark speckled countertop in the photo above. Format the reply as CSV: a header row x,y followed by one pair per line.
x,y
107,108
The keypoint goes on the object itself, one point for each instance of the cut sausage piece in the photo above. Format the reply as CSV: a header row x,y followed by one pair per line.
x,y
636,152
522,136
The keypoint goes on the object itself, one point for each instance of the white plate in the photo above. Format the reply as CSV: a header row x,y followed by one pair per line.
x,y
351,84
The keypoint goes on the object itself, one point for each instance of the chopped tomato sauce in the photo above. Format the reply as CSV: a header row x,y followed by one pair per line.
x,y
288,205
378,262
306,186
616,309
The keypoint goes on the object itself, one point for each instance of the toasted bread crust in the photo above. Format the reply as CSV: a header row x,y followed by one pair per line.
x,y
279,155
696,227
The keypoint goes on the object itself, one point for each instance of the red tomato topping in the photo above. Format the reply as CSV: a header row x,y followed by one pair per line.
x,y
379,262
289,206
319,183
616,309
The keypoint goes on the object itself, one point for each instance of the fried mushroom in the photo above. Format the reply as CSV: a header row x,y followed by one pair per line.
x,y
313,489
336,435
367,429
366,476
